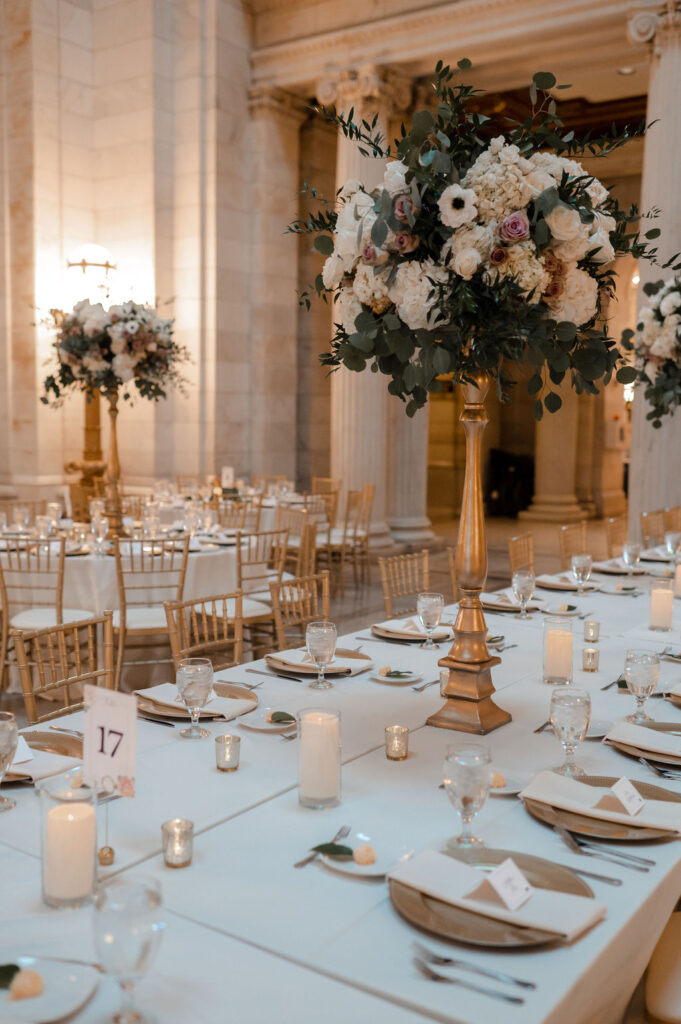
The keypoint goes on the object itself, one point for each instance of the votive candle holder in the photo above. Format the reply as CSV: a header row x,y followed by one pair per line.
x,y
227,751
592,631
590,659
178,842
396,742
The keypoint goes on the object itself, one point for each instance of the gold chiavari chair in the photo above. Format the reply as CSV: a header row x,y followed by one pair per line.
x,y
299,560
259,561
232,515
321,510
342,543
571,541
297,602
328,485
253,503
672,519
404,576
209,627
364,532
521,552
149,573
451,556
652,528
56,662
615,535
32,590
263,482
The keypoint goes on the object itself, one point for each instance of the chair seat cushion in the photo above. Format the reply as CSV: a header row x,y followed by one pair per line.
x,y
143,617
254,606
43,618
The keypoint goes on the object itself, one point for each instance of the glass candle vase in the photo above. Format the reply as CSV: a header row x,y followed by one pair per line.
x,y
396,742
661,605
557,649
68,842
590,659
592,631
177,837
227,750
320,758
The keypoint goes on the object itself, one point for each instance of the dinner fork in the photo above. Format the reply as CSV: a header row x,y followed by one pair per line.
x,y
432,957
611,856
432,975
608,686
342,832
424,686
664,773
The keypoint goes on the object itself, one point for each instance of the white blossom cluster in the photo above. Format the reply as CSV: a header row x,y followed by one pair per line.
x,y
658,334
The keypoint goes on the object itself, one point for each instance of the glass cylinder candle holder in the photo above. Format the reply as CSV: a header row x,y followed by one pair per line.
x,y
227,750
319,777
590,659
661,605
396,742
68,842
592,631
557,649
178,842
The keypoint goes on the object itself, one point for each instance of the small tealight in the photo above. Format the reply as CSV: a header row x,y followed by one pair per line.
x,y
396,742
590,659
444,679
178,842
227,750
592,631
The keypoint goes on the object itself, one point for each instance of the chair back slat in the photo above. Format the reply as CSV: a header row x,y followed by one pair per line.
x,y
209,627
521,552
571,541
32,576
404,576
297,602
260,559
150,572
672,519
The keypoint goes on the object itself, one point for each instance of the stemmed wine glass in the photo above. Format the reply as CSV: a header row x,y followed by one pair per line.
x,y
641,671
8,745
320,638
20,518
467,777
523,589
194,681
570,714
631,556
430,608
127,930
672,541
100,528
581,570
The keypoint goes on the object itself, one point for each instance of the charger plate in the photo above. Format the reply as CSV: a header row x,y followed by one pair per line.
x,y
154,710
586,826
652,755
52,743
450,922
440,635
287,668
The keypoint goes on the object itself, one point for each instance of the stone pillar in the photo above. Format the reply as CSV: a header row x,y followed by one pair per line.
x,y
586,453
655,481
359,401
555,449
408,476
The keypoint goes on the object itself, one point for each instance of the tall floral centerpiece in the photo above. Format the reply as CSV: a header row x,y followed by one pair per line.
x,y
657,344
116,352
487,245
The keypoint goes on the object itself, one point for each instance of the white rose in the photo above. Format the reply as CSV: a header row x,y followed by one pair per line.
x,y
574,249
601,240
350,187
466,263
540,180
124,367
664,346
577,302
670,303
603,222
348,308
332,271
393,178
564,222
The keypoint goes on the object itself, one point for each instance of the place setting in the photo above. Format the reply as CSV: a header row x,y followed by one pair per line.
x,y
423,628
320,661
196,693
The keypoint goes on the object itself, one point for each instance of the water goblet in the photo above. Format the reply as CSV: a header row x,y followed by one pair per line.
x,y
8,745
97,507
100,528
152,527
570,714
127,930
209,518
21,517
523,589
641,671
54,513
320,638
430,608
631,556
43,526
467,775
672,542
194,680
191,522
581,570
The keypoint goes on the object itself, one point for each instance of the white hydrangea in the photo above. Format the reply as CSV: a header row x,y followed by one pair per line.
x,y
124,367
499,179
666,342
410,293
578,300
523,265
370,288
349,242
333,271
393,178
347,309
670,303
554,166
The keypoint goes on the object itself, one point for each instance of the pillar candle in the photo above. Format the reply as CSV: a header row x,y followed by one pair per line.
x,y
319,757
70,839
558,654
661,606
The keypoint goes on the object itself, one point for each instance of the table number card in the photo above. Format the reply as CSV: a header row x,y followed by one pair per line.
x,y
507,883
227,477
110,740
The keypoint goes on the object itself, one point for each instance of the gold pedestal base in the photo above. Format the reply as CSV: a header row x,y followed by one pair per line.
x,y
469,706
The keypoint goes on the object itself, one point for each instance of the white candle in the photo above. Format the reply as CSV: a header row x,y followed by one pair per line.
x,y
677,581
558,654
661,607
70,840
319,758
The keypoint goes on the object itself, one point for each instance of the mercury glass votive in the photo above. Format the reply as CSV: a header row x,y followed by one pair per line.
x,y
227,750
178,842
592,631
590,659
396,742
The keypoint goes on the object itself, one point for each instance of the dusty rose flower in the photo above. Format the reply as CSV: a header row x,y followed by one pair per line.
x,y
402,204
515,227
374,255
404,242
554,288
497,256
126,786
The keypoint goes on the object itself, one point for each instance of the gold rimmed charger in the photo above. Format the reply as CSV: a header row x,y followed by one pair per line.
x,y
288,668
597,828
404,636
50,743
652,755
233,690
466,926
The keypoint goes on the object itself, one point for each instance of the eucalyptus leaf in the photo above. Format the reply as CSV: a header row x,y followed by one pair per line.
x,y
282,716
544,80
323,244
7,972
333,850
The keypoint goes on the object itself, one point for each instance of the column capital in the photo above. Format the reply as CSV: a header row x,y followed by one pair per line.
x,y
657,22
270,101
367,88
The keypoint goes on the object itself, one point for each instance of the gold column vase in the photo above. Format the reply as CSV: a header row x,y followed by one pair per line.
x,y
469,689
113,473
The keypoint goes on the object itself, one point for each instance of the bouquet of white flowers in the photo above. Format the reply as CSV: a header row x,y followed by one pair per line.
x,y
658,347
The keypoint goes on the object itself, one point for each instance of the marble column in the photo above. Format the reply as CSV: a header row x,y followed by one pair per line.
x,y
585,454
555,464
655,481
408,476
360,452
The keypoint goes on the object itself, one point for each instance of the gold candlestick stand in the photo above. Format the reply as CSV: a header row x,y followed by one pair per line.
x,y
113,472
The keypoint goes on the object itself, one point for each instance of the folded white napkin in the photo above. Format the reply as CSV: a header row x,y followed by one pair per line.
x,y
43,764
23,753
166,695
449,880
571,795
562,581
300,661
617,567
658,554
506,599
646,739
411,627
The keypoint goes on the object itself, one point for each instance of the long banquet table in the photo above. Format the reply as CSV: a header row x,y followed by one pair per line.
x,y
249,938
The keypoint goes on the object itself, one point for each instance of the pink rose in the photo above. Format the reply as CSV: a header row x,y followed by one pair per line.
x,y
515,227
374,256
126,786
402,204
497,256
404,242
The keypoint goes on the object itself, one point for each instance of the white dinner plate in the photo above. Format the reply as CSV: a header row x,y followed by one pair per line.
x,y
598,728
515,781
412,677
66,987
257,720
564,608
387,857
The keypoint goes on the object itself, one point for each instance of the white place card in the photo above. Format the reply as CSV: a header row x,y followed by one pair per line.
x,y
507,882
227,477
110,740
628,796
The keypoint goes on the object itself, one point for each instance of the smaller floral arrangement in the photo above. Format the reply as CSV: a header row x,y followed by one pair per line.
x,y
657,344
106,350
